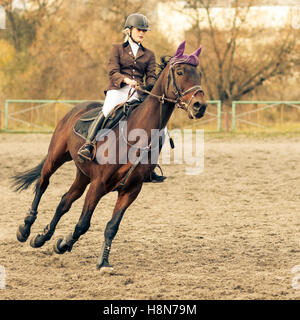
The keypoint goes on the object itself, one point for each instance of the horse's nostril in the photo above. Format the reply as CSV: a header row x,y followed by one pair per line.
x,y
203,107
201,111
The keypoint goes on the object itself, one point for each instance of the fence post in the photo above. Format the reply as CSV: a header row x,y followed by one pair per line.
x,y
281,114
6,116
233,110
219,116
55,114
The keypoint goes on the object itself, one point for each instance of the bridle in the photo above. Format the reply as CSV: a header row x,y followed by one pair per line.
x,y
178,94
176,91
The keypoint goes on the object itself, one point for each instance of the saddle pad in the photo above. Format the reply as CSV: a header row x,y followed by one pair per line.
x,y
91,114
81,126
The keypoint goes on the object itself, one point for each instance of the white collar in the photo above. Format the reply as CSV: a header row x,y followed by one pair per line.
x,y
134,47
133,43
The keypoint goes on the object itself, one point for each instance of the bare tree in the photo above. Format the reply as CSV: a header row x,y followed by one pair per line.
x,y
23,23
241,58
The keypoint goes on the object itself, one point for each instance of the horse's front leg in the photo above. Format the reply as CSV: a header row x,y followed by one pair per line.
x,y
125,198
92,198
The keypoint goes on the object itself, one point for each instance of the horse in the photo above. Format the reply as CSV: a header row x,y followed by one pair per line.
x,y
178,85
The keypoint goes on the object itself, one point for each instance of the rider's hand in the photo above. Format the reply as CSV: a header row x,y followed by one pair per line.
x,y
131,83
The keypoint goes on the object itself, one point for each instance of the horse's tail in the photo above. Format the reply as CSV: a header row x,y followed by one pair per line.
x,y
23,180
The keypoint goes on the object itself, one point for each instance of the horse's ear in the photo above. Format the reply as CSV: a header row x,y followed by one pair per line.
x,y
197,52
180,50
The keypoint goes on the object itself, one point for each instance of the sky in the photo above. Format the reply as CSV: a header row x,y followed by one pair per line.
x,y
173,23
19,4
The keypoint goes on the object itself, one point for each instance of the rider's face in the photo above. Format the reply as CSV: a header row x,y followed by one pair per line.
x,y
138,35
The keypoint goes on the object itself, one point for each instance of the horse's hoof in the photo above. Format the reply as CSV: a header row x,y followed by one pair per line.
x,y
22,235
35,242
105,267
106,270
56,247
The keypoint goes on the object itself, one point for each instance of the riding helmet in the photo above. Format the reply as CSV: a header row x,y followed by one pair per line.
x,y
138,21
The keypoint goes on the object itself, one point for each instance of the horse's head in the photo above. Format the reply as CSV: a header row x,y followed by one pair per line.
x,y
184,82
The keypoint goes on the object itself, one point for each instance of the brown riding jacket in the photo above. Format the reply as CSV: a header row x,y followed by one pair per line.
x,y
122,64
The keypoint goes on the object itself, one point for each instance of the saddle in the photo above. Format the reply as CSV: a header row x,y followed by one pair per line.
x,y
121,112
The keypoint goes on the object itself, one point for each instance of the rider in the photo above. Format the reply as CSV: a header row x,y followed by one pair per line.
x,y
129,63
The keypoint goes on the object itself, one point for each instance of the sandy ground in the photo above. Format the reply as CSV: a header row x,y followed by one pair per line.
x,y
230,233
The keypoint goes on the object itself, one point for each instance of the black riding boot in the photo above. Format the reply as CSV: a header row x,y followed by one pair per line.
x,y
86,152
154,177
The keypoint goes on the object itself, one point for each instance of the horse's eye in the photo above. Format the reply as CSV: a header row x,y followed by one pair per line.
x,y
180,73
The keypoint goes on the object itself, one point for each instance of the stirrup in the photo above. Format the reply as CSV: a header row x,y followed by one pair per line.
x,y
92,153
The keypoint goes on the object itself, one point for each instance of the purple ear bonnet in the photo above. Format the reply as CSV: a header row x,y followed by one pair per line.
x,y
180,57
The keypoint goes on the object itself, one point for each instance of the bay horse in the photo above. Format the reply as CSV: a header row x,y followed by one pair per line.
x,y
178,85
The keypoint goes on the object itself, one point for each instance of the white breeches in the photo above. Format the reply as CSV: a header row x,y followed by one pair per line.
x,y
115,97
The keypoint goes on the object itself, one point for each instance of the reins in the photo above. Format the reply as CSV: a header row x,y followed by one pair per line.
x,y
178,103
179,95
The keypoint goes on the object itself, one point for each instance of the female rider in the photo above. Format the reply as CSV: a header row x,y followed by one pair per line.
x,y
128,65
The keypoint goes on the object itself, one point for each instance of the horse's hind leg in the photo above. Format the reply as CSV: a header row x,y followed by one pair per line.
x,y
76,190
51,164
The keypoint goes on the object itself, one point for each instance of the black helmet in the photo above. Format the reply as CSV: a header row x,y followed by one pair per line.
x,y
138,21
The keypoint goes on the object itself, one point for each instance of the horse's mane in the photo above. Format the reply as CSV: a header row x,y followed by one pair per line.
x,y
164,60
